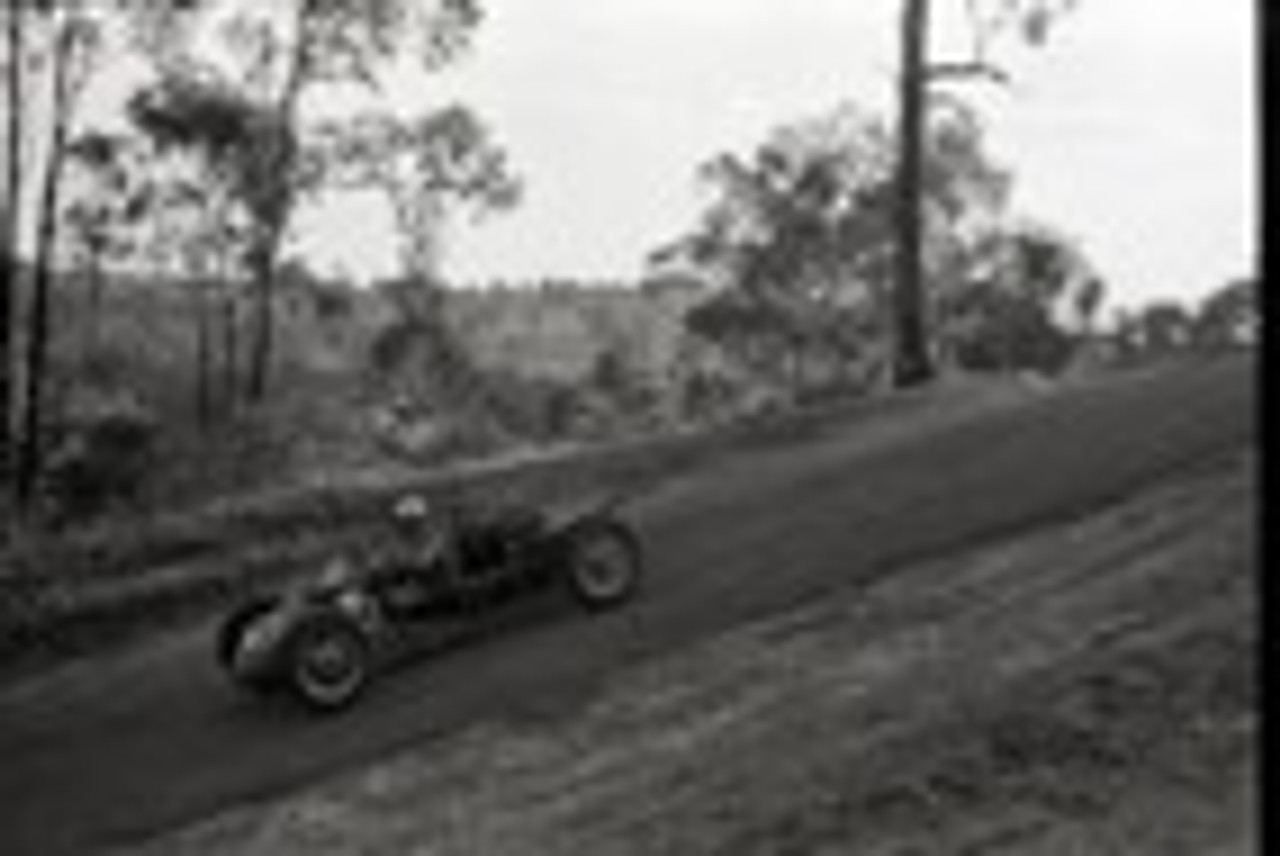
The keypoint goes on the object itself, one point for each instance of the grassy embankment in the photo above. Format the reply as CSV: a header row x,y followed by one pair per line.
x,y
66,595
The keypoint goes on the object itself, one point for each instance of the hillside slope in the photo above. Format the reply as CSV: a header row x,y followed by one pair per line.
x,y
154,739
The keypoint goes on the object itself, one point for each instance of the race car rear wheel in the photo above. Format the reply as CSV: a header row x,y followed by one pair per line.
x,y
328,664
604,565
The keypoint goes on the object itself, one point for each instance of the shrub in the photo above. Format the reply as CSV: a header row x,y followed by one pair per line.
x,y
99,455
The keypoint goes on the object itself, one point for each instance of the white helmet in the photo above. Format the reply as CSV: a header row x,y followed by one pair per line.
x,y
411,510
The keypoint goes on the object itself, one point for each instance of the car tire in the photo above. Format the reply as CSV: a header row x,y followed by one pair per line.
x,y
603,565
327,662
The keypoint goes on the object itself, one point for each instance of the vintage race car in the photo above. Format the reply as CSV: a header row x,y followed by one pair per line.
x,y
320,641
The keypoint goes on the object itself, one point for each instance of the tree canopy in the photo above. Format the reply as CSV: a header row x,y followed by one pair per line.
x,y
798,234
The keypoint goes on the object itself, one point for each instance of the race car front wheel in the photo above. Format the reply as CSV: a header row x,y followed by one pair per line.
x,y
328,662
604,565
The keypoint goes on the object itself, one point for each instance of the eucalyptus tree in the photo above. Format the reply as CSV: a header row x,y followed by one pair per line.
x,y
1165,327
1228,316
207,138
106,199
15,37
62,42
1033,19
10,224
283,51
1025,301
798,236
430,169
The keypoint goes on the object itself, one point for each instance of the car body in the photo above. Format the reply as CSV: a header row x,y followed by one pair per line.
x,y
321,639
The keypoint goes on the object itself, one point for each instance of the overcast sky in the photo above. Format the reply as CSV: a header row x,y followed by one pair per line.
x,y
1134,129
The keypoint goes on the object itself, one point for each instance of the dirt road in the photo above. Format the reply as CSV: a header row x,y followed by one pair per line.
x,y
153,739
1082,687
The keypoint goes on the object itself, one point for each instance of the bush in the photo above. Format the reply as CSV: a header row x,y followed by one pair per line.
x,y
1016,335
99,455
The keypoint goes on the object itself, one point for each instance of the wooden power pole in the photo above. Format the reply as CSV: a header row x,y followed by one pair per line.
x,y
912,362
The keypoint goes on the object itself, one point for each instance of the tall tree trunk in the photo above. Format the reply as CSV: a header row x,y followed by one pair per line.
x,y
230,351
220,328
95,300
261,344
8,278
203,357
911,363
12,264
263,260
30,450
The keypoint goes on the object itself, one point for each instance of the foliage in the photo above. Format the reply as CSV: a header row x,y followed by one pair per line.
x,y
1164,327
1032,20
427,167
277,54
1013,308
104,201
1224,319
1228,317
620,385
780,290
1008,331
799,237
198,113
99,455
200,191
66,45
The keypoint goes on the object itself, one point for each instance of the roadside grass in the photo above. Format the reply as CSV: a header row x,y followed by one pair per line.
x,y
66,595
1087,687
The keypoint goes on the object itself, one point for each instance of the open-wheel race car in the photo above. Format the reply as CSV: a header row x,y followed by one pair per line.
x,y
321,640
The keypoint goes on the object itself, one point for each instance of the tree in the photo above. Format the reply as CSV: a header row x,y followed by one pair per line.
x,y
191,242
211,136
72,32
1025,301
1164,327
1228,317
104,202
282,57
616,380
10,263
429,168
913,362
799,241
1088,301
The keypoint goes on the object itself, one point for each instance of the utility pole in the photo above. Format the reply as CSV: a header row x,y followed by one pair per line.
x,y
912,362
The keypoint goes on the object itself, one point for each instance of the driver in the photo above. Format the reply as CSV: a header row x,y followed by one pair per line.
x,y
419,533
421,545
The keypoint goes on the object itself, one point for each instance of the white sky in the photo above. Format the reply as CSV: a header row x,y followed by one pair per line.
x,y
1134,129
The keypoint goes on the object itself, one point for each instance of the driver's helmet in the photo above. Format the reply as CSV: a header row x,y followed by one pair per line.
x,y
411,513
